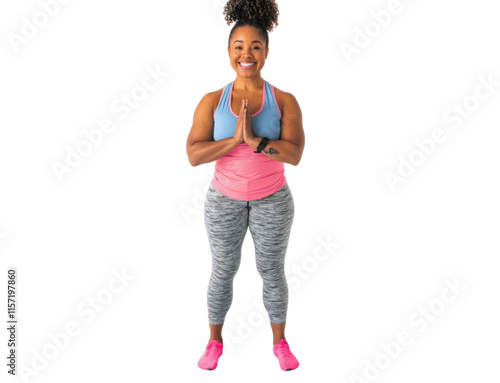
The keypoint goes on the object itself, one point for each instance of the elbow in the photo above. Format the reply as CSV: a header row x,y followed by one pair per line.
x,y
296,161
192,161
297,155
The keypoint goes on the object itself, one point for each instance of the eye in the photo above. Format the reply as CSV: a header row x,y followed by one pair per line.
x,y
240,47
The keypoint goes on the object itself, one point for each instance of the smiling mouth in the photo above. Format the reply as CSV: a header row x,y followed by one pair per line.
x,y
247,65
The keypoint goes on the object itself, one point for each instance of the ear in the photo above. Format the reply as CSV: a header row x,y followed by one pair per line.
x,y
267,52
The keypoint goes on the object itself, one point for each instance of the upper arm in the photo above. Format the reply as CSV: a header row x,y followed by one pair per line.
x,y
203,119
291,120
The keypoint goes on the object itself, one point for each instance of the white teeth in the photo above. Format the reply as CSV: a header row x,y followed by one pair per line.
x,y
243,64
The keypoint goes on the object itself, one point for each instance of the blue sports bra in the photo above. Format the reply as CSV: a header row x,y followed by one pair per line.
x,y
265,123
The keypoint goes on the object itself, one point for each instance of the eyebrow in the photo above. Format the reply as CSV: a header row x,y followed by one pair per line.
x,y
255,41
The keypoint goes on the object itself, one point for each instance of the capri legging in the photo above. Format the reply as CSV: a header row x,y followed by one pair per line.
x,y
270,221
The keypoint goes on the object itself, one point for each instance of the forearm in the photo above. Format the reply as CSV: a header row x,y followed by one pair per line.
x,y
279,150
203,152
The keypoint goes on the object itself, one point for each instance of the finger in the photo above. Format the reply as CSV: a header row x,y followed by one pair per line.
x,y
242,109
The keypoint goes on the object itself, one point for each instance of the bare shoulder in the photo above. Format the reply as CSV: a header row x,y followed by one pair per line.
x,y
203,119
287,102
210,101
291,121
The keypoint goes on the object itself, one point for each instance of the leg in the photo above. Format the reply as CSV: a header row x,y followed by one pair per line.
x,y
270,223
278,331
215,332
226,225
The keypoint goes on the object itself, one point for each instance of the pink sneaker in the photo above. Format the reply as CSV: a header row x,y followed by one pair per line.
x,y
209,359
287,360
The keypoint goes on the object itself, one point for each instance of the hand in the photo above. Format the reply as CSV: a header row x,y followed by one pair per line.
x,y
238,134
247,126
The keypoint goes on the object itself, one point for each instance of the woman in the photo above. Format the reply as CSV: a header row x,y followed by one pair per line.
x,y
249,188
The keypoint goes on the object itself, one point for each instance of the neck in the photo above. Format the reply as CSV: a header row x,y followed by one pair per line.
x,y
248,83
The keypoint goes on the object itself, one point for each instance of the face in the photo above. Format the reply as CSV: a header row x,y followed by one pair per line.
x,y
247,46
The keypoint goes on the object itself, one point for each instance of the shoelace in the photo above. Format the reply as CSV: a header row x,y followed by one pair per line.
x,y
211,347
284,350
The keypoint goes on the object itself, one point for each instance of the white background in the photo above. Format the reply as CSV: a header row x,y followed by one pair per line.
x,y
134,205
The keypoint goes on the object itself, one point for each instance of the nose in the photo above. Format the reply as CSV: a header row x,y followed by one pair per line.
x,y
249,53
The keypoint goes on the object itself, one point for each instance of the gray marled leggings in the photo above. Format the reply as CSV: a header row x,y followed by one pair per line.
x,y
270,221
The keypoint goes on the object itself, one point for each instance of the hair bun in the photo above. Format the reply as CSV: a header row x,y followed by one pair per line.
x,y
262,12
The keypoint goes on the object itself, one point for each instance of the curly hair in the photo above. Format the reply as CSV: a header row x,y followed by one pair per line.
x,y
261,14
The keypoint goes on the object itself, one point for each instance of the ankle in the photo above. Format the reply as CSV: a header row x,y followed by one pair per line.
x,y
276,340
218,338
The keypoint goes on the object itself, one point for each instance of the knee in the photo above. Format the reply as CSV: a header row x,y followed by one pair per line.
x,y
224,274
270,273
